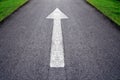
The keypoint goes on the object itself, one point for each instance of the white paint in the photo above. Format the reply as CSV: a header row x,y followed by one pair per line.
x,y
57,51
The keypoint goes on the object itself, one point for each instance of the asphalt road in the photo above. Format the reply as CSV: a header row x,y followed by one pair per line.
x,y
91,43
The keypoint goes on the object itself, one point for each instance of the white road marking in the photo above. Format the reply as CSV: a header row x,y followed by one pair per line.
x,y
57,51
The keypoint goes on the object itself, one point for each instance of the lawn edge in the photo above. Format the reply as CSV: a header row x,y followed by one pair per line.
x,y
103,13
14,11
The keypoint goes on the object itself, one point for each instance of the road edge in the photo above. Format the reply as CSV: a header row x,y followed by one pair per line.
x,y
104,14
13,12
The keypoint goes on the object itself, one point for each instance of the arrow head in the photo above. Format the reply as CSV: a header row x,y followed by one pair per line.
x,y
57,14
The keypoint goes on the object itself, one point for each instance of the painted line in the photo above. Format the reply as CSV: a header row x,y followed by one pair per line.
x,y
57,49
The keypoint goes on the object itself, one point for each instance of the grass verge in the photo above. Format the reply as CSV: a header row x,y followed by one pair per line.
x,y
110,8
7,7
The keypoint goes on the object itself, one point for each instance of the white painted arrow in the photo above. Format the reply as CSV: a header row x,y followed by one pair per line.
x,y
57,51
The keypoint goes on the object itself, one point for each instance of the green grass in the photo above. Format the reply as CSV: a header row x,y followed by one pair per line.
x,y
9,6
110,8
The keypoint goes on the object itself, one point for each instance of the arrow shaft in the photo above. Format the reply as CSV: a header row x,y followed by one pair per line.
x,y
57,51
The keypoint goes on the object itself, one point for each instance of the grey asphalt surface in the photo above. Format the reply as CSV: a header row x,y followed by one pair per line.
x,y
91,43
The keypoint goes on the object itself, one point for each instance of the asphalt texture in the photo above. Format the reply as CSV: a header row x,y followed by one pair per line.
x,y
91,43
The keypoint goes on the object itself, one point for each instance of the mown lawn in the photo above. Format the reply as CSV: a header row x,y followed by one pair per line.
x,y
110,8
9,6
